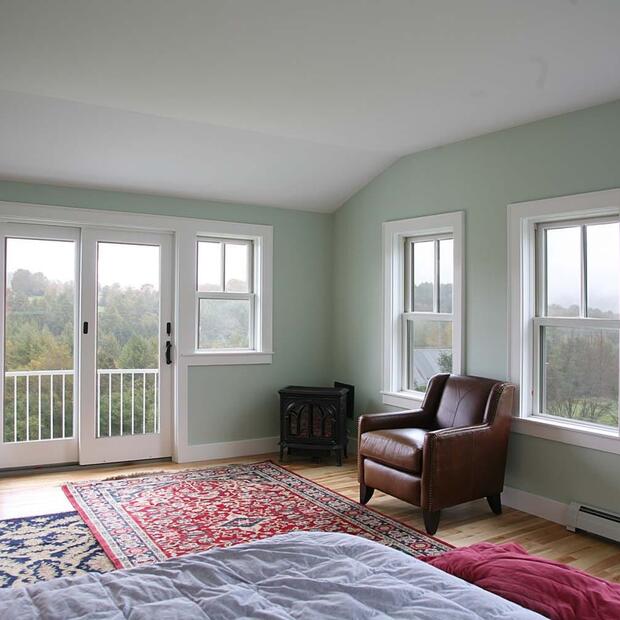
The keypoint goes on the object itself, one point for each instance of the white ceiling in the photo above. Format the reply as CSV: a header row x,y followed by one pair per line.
x,y
291,103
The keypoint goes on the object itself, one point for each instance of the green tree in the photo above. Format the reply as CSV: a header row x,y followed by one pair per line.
x,y
444,361
30,284
40,336
139,352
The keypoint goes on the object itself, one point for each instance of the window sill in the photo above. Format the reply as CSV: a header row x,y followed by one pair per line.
x,y
405,400
584,437
230,358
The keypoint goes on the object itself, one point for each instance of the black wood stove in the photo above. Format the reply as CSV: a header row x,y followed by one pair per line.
x,y
314,418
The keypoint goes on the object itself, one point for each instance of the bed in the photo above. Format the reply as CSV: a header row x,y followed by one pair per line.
x,y
298,575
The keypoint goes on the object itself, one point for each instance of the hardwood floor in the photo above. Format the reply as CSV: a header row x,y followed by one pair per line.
x,y
39,493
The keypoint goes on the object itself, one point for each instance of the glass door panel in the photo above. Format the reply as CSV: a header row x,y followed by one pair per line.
x,y
128,320
39,353
126,395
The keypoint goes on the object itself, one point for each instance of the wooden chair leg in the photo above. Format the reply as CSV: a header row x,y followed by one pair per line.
x,y
365,493
495,503
431,520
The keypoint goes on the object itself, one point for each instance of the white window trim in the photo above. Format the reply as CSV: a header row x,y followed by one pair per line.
x,y
185,231
394,235
262,238
522,219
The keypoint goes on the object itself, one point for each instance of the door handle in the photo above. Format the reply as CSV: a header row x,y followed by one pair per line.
x,y
168,352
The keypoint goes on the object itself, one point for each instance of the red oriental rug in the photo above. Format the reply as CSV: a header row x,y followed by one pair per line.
x,y
154,517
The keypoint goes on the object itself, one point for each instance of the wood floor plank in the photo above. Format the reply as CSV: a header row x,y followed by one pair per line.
x,y
39,492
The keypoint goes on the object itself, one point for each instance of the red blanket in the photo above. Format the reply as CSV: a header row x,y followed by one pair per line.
x,y
549,588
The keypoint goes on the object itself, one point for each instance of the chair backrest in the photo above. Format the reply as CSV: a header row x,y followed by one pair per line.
x,y
463,401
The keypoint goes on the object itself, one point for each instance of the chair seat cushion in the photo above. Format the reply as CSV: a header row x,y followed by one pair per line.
x,y
398,447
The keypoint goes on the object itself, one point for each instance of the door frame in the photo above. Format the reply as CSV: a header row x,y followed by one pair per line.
x,y
93,449
49,451
185,230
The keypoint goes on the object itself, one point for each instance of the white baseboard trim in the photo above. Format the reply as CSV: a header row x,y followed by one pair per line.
x,y
228,449
537,505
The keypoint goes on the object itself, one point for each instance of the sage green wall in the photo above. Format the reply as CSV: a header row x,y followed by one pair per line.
x,y
569,154
317,257
229,403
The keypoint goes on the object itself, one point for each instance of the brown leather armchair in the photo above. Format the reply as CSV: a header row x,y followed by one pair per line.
x,y
451,450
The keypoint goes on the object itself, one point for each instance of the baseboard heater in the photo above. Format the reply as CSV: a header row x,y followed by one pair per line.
x,y
593,520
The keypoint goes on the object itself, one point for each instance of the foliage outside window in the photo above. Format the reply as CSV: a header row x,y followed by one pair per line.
x,y
577,322
40,338
428,309
225,297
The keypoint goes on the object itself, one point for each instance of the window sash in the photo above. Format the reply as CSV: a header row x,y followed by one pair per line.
x,y
407,354
228,296
250,296
538,367
541,260
223,241
409,269
566,322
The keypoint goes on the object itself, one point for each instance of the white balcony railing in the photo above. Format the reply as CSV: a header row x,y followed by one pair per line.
x,y
38,404
127,401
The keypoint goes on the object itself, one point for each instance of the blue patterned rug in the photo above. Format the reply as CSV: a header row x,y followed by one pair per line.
x,y
40,548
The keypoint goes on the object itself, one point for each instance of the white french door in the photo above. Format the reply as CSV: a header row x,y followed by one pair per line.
x,y
86,319
126,317
39,357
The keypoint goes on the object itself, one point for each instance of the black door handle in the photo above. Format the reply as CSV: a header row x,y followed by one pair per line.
x,y
168,352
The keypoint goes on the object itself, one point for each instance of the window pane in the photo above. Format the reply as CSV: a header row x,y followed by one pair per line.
x,y
580,374
237,266
423,275
429,351
128,320
603,260
563,271
38,347
446,274
224,324
209,266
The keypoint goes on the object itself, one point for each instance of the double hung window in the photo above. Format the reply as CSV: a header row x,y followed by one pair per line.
x,y
225,297
564,317
428,305
577,322
423,305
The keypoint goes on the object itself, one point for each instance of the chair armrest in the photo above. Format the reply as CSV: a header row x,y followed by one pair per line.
x,y
392,419
462,464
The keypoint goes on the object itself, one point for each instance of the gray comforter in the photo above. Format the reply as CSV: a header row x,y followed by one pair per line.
x,y
299,575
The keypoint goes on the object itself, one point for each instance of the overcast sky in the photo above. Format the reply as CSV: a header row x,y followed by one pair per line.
x,y
122,263
125,264
564,266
